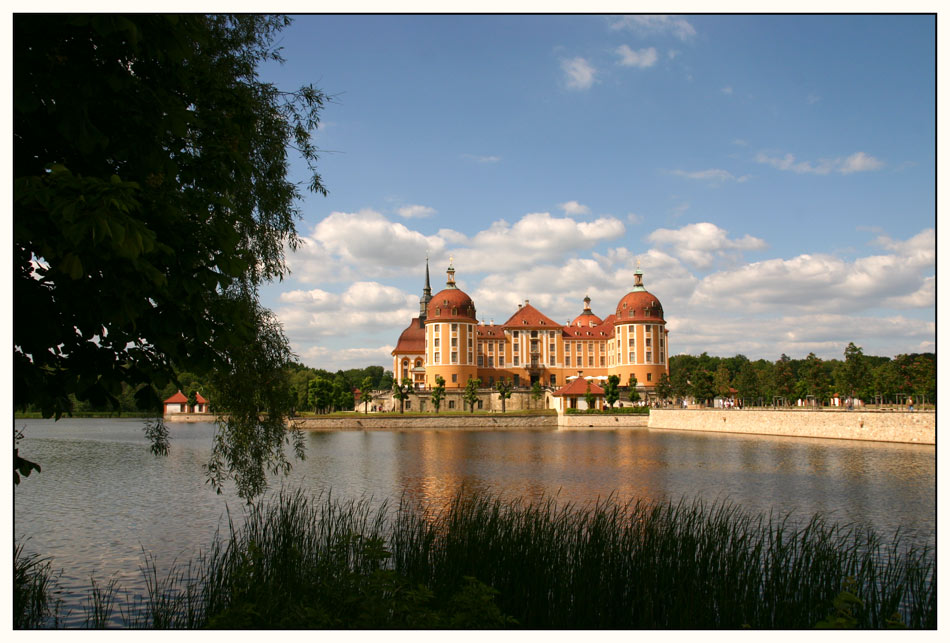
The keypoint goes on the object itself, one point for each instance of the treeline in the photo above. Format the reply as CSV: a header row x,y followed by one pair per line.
x,y
311,389
869,378
320,391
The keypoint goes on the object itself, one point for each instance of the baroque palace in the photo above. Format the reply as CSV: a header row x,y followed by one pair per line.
x,y
447,339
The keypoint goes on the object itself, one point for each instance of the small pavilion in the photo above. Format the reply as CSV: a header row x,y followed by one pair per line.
x,y
574,395
178,403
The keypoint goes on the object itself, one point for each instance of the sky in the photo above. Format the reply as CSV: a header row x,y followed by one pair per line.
x,y
773,175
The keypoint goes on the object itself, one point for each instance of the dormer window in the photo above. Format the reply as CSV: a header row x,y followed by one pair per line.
x,y
455,311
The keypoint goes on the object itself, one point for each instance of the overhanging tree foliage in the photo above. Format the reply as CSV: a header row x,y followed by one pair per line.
x,y
150,201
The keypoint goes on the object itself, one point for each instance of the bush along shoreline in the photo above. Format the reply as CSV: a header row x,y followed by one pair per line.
x,y
486,562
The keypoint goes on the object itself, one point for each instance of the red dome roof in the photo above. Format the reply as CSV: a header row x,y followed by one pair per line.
x,y
451,304
587,319
640,306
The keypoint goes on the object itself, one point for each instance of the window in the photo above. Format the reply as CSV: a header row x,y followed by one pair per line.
x,y
534,334
481,360
436,356
491,348
630,342
516,360
516,334
603,361
491,362
436,342
469,357
567,347
553,380
408,404
603,346
567,360
551,361
501,361
590,360
661,354
479,405
649,377
649,356
632,357
455,342
661,342
551,334
452,402
551,348
455,377
515,347
470,341
648,342
455,327
455,357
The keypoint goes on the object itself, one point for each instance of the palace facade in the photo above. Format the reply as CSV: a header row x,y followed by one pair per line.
x,y
447,339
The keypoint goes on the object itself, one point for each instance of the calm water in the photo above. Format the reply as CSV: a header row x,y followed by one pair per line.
x,y
102,498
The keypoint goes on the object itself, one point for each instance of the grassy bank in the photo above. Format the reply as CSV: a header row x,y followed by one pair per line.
x,y
483,562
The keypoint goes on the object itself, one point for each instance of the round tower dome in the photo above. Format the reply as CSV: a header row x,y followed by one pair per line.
x,y
451,304
587,318
638,304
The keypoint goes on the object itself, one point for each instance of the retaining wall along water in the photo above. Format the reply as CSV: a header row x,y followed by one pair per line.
x,y
879,426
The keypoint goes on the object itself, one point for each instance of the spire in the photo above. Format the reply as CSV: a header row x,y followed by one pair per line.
x,y
638,278
587,304
427,290
450,274
426,296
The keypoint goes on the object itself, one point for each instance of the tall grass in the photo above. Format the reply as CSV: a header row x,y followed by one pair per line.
x,y
484,562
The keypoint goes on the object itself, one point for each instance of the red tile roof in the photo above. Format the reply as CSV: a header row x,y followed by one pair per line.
x,y
530,317
451,304
639,305
180,398
412,340
579,387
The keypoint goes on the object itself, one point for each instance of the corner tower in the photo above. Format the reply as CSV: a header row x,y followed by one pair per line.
x,y
640,336
450,335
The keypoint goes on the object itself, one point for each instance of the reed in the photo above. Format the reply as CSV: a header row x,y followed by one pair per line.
x,y
483,561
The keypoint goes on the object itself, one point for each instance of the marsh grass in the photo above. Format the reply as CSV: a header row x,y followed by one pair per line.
x,y
486,562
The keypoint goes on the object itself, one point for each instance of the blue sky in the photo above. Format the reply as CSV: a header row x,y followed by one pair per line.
x,y
774,175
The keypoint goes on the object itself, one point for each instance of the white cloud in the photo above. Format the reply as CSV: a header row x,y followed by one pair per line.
x,y
574,208
345,245
711,175
857,162
674,25
535,238
860,162
634,218
315,299
823,283
825,334
482,159
319,356
579,74
416,211
700,244
643,58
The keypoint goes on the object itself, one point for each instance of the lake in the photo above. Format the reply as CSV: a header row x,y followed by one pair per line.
x,y
103,499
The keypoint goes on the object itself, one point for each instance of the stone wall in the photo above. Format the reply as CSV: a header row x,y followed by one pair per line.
x,y
190,417
880,426
581,421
